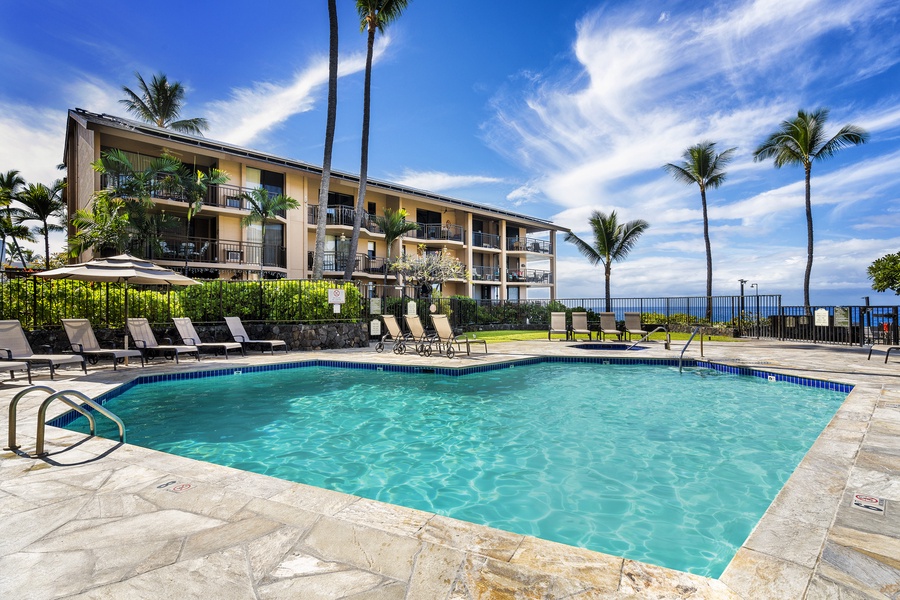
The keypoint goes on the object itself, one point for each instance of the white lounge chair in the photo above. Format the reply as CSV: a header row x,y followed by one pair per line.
x,y
608,326
145,341
14,346
558,324
633,325
84,342
580,325
189,336
240,336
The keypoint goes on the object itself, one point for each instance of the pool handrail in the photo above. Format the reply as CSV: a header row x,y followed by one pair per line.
x,y
39,388
697,329
660,328
63,395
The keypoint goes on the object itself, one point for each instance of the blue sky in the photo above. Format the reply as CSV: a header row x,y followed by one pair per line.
x,y
553,113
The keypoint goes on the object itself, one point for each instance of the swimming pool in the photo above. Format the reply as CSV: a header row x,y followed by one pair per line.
x,y
633,460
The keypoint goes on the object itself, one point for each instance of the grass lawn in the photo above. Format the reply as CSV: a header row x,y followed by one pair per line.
x,y
521,336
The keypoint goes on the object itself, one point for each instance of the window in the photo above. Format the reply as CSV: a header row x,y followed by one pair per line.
x,y
338,199
268,180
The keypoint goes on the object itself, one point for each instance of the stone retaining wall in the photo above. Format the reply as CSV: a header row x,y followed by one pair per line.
x,y
323,336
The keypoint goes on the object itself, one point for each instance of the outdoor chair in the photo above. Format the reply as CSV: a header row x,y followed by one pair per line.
x,y
580,324
12,366
608,326
14,346
240,336
558,324
145,341
394,334
84,342
190,337
633,325
445,337
421,339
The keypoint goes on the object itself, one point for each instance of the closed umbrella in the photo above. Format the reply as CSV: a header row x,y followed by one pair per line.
x,y
124,268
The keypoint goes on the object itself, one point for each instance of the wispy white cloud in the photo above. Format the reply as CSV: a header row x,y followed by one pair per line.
x,y
439,181
254,111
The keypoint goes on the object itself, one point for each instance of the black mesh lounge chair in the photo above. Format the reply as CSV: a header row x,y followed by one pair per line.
x,y
145,341
240,335
84,342
189,336
14,346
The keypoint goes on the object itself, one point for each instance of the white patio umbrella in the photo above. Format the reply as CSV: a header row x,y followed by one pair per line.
x,y
124,268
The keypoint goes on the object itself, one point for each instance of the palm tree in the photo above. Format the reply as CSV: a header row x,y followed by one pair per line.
x,y
104,227
322,216
394,225
374,15
801,141
612,242
703,166
262,208
10,184
43,203
160,104
195,190
14,232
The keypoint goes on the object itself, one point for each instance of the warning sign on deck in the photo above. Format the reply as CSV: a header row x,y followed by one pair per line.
x,y
868,503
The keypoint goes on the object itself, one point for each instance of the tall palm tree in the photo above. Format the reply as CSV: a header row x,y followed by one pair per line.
x,y
43,203
703,166
160,103
322,216
374,16
14,232
801,141
10,184
262,208
394,225
612,242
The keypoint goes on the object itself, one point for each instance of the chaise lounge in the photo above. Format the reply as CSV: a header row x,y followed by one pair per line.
x,y
14,346
608,326
84,342
580,325
145,341
557,325
240,336
633,325
189,336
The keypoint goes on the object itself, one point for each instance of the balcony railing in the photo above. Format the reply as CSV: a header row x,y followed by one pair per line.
x,y
485,240
221,253
342,215
337,262
433,231
486,273
528,244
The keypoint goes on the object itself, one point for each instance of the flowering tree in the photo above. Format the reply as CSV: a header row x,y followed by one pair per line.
x,y
429,268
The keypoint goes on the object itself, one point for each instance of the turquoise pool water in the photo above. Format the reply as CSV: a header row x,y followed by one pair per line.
x,y
636,461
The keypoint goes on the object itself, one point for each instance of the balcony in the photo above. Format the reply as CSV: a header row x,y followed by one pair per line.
x,y
438,232
337,262
488,274
342,215
528,244
220,253
485,240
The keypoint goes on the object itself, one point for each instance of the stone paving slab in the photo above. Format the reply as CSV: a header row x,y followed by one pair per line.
x,y
98,519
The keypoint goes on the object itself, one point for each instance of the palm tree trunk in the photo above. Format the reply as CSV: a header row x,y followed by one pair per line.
x,y
262,248
322,217
364,154
608,272
46,247
809,239
708,256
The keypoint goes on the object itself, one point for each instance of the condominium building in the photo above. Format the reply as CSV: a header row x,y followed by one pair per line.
x,y
505,253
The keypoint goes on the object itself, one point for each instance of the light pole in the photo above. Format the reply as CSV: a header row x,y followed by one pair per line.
x,y
756,285
741,312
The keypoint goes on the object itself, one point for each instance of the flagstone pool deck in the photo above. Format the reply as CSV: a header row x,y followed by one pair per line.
x,y
98,519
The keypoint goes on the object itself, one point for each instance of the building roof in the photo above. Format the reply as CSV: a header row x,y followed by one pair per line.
x,y
84,117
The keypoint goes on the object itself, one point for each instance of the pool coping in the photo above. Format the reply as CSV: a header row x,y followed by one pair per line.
x,y
787,555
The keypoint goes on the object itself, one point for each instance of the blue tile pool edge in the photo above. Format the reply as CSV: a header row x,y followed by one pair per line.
x,y
70,416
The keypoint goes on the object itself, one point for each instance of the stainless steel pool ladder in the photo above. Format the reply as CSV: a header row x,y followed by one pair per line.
x,y
660,328
66,397
697,329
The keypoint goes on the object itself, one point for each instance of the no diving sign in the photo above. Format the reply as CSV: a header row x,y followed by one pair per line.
x,y
868,503
337,296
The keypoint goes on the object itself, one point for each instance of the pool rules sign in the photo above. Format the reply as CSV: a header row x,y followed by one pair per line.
x,y
336,297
